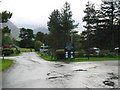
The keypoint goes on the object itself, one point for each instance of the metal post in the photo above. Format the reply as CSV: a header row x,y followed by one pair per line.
x,y
3,56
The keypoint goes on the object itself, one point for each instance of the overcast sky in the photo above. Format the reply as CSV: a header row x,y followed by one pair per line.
x,y
34,13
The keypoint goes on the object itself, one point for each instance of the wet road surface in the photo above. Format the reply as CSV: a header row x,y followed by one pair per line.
x,y
31,71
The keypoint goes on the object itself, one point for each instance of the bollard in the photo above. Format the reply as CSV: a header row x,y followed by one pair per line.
x,y
3,57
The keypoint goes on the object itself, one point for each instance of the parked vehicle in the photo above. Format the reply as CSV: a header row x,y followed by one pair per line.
x,y
43,48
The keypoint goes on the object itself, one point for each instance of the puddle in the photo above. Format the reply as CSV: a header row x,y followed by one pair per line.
x,y
93,67
58,65
55,75
34,61
113,76
80,70
50,73
109,83
67,62
62,76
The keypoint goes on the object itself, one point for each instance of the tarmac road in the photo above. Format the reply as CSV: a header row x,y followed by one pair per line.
x,y
31,71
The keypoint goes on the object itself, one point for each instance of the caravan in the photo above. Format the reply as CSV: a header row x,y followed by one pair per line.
x,y
43,48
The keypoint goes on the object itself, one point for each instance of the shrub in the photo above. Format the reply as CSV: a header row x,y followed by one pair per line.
x,y
16,50
94,55
25,50
37,45
7,51
77,54
103,53
110,54
106,53
59,54
80,53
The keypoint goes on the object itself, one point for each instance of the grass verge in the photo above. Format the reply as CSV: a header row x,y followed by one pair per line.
x,y
26,50
5,64
82,59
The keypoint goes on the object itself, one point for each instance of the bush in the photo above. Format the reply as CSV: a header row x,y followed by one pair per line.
x,y
103,53
111,55
59,54
7,52
16,51
94,55
80,53
25,50
37,45
106,53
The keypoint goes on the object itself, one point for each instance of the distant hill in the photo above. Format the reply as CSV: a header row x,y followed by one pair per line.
x,y
14,29
41,29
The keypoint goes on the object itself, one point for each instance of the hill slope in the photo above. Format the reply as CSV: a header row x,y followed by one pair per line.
x,y
14,29
41,29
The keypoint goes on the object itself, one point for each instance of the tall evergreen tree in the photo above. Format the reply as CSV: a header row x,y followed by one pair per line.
x,y
105,31
54,26
90,18
61,26
117,26
102,26
67,23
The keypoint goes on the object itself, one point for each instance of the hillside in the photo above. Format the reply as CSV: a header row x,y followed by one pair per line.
x,y
14,29
41,29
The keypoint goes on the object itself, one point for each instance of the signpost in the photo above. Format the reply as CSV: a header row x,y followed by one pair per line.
x,y
69,51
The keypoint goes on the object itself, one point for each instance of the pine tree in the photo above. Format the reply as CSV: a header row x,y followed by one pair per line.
x,y
117,26
55,29
90,18
61,26
105,31
67,23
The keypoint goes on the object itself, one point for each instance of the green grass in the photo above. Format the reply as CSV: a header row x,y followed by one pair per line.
x,y
82,59
45,56
5,64
25,50
94,59
15,54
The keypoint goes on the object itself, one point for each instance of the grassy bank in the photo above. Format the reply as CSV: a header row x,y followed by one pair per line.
x,y
23,49
49,58
5,64
26,50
